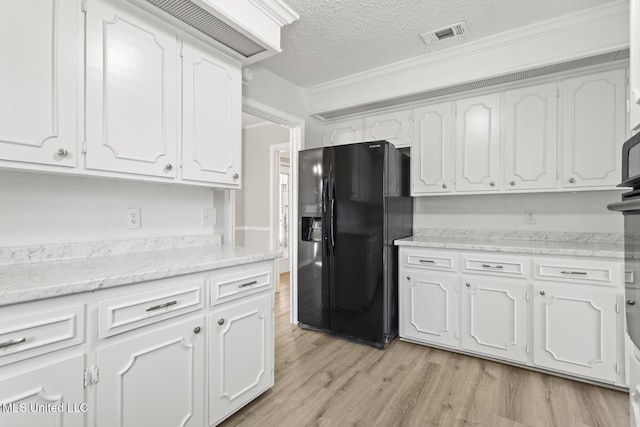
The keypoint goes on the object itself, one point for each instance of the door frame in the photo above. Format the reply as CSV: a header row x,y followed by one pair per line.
x,y
274,200
296,139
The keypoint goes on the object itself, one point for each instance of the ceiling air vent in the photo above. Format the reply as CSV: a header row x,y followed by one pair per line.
x,y
203,21
446,33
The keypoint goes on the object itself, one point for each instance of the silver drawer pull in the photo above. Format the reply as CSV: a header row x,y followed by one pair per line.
x,y
428,261
578,273
248,284
163,305
14,341
499,267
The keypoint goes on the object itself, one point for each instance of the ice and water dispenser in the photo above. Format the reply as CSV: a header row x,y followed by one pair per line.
x,y
311,224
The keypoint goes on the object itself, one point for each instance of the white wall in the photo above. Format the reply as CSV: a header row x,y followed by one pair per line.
x,y
272,90
252,212
579,212
47,209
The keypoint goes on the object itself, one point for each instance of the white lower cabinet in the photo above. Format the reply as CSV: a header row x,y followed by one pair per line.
x,y
494,317
558,314
240,354
574,329
29,392
154,378
429,307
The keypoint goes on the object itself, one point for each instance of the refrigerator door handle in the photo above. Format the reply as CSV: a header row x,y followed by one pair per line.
x,y
325,218
333,225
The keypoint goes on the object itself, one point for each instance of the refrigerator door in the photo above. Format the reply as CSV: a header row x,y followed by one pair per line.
x,y
313,297
355,222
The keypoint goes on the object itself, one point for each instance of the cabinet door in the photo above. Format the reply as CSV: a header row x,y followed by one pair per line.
x,y
55,383
429,307
395,127
40,81
153,379
574,329
594,129
211,128
478,143
241,354
531,137
132,91
431,152
344,132
494,317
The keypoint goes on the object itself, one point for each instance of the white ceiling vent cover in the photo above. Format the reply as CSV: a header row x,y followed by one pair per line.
x,y
446,33
198,18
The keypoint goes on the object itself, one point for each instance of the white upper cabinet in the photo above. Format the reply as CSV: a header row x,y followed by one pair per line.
x,y
431,152
395,127
344,132
634,65
40,81
594,129
132,95
211,128
531,137
478,143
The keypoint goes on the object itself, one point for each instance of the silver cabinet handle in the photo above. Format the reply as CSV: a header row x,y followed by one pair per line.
x,y
253,282
14,341
235,176
63,153
168,167
408,277
444,186
499,267
512,183
631,302
428,261
543,293
221,322
197,330
468,285
572,180
576,273
163,305
493,184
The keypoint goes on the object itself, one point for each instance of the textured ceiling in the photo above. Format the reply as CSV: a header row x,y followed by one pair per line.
x,y
338,38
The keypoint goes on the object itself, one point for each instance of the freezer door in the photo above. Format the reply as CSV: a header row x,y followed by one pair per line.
x,y
355,212
313,297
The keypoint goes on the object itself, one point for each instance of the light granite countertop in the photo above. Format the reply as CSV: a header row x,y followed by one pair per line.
x,y
39,280
557,244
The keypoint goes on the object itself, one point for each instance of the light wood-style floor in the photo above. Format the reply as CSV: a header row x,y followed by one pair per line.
x,y
326,381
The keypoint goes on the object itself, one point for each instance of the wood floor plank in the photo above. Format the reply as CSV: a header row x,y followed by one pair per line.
x,y
321,380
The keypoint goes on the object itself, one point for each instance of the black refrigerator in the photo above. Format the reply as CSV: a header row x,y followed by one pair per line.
x,y
354,201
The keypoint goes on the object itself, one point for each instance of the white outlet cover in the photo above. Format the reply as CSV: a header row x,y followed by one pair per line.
x,y
530,216
134,218
208,216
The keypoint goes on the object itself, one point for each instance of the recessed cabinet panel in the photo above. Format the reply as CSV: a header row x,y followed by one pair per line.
x,y
40,81
54,384
431,152
429,308
154,379
211,116
594,129
494,317
395,127
132,92
572,327
478,143
531,137
344,132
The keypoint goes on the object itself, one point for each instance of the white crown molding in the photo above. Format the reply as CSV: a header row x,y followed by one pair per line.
x,y
258,125
277,10
593,31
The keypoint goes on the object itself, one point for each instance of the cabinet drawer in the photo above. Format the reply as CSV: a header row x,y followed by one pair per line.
x,y
235,282
497,266
431,260
29,336
597,273
134,311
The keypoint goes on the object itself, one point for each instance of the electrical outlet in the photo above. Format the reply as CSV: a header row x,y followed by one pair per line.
x,y
530,216
134,218
208,216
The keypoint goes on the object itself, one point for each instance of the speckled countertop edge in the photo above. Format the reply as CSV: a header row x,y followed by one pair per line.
x,y
35,281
